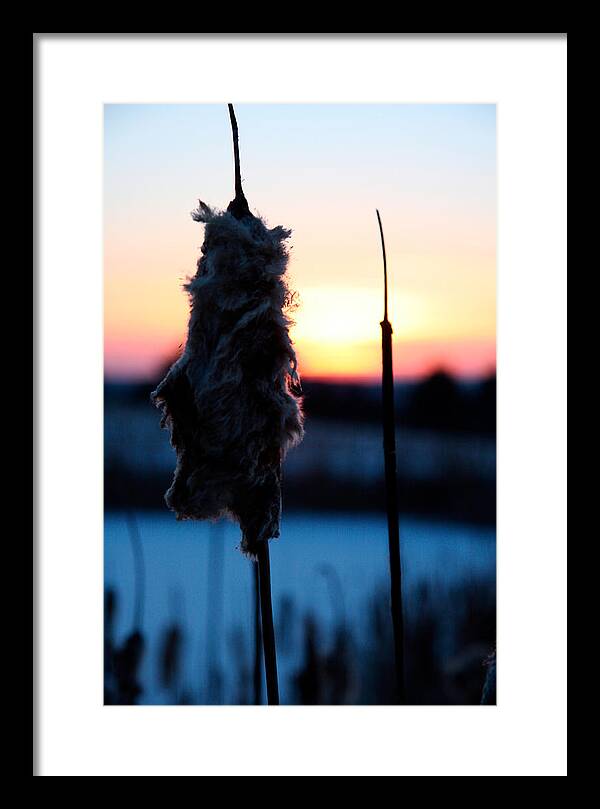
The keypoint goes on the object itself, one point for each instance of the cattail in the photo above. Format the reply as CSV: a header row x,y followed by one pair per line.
x,y
231,401
257,666
391,484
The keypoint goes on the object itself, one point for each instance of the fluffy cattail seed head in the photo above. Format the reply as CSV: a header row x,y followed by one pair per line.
x,y
231,400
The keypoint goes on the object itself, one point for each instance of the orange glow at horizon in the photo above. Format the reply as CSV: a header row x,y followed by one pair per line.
x,y
335,331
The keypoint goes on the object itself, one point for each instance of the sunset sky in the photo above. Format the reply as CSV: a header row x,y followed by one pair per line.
x,y
320,170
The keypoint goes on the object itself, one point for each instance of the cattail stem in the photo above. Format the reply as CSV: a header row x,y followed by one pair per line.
x,y
268,632
391,485
236,152
238,207
257,672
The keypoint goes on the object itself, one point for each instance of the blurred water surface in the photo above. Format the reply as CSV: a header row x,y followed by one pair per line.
x,y
326,569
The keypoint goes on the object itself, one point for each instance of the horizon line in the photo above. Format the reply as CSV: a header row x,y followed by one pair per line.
x,y
365,380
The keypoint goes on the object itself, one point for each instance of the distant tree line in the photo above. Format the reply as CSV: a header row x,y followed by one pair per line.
x,y
440,402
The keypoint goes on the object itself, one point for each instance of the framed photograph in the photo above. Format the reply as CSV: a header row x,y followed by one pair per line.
x,y
309,318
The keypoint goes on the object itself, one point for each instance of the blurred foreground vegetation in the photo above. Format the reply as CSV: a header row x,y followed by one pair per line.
x,y
449,638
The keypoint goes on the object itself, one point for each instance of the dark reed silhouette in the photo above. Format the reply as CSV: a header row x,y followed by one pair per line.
x,y
243,692
257,670
139,568
122,663
309,679
391,482
122,684
170,659
214,612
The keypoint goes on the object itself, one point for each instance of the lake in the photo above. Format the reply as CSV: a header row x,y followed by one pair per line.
x,y
325,565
